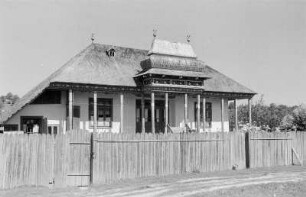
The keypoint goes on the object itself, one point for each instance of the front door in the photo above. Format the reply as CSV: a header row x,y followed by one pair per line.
x,y
159,116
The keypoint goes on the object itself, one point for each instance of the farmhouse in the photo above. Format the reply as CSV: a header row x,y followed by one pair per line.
x,y
116,89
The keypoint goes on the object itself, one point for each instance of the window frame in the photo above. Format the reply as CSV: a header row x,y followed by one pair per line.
x,y
103,104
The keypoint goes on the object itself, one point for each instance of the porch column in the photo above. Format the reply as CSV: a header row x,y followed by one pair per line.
x,y
143,119
198,114
186,111
204,113
95,111
70,110
250,111
222,114
121,112
166,112
236,114
152,112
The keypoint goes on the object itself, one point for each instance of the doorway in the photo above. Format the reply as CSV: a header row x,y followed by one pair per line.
x,y
159,116
32,124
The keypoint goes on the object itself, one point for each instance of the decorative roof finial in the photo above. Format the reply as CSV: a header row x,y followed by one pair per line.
x,y
92,37
188,38
154,33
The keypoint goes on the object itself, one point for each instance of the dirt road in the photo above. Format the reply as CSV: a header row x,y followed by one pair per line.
x,y
283,181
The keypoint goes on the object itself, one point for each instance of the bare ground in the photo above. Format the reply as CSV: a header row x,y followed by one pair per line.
x,y
281,181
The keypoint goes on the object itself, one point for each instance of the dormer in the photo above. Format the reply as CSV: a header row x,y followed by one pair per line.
x,y
110,52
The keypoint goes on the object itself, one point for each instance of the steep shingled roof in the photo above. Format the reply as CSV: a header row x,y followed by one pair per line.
x,y
94,66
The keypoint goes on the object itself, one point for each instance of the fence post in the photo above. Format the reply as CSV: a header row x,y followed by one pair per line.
x,y
91,158
247,150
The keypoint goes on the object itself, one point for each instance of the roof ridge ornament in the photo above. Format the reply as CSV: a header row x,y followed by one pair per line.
x,y
92,37
154,33
188,38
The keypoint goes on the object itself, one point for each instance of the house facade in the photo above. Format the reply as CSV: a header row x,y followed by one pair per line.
x,y
108,88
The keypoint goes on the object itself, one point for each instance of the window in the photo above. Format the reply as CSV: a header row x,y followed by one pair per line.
x,y
48,97
208,115
76,110
104,112
9,127
52,129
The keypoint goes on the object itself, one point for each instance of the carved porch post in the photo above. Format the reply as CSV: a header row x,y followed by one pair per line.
x,y
153,112
70,118
143,119
95,111
198,113
121,112
166,112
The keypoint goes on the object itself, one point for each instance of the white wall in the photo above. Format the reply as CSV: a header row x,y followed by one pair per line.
x,y
129,116
56,113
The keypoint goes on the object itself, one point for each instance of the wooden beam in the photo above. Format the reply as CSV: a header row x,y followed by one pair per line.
x,y
121,112
186,111
236,115
95,111
198,113
204,113
250,111
70,109
143,119
166,111
152,112
222,114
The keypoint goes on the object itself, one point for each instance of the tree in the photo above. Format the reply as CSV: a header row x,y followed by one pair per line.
x,y
263,116
299,117
9,98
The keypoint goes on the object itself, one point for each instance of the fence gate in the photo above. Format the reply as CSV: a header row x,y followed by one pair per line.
x,y
269,149
80,159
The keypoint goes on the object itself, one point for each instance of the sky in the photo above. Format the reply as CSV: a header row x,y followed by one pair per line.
x,y
261,44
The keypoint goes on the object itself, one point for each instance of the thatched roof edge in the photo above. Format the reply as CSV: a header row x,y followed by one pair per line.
x,y
37,90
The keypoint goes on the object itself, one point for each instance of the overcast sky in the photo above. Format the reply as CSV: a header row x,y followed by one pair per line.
x,y
261,44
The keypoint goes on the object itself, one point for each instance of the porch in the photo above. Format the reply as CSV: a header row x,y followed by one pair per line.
x,y
130,112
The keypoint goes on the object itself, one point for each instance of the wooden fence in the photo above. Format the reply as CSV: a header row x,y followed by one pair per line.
x,y
78,158
127,156
276,149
